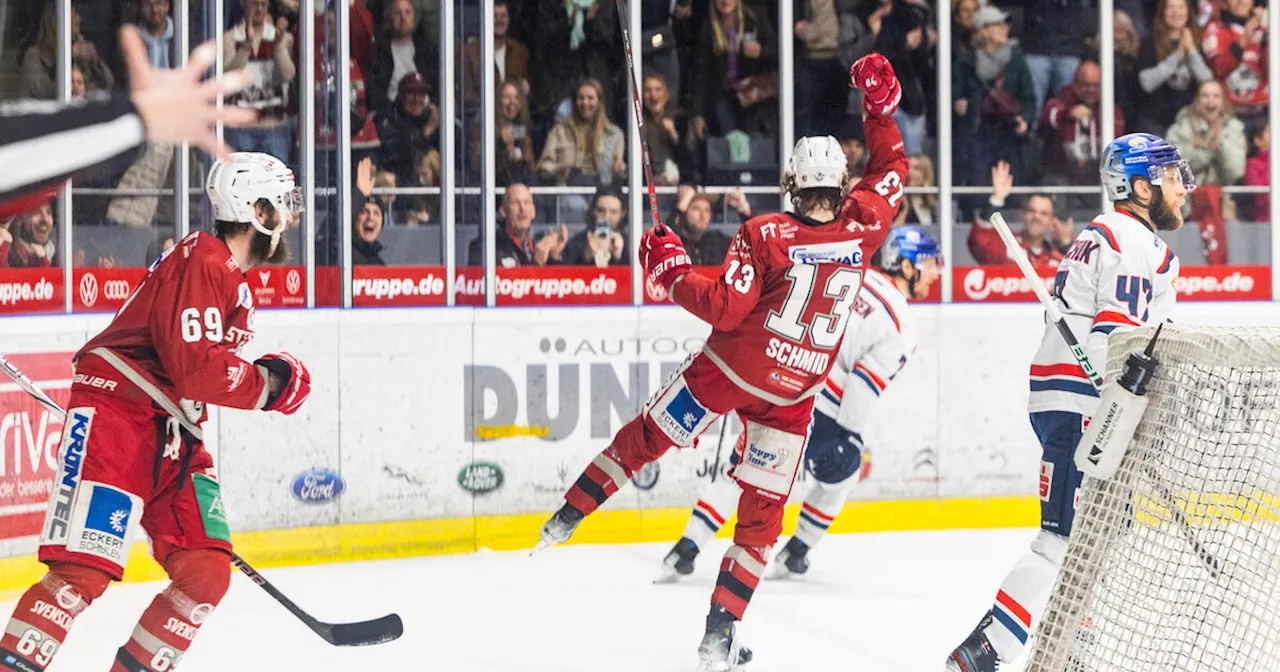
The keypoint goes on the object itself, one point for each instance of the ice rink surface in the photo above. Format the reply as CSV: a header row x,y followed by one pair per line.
x,y
883,602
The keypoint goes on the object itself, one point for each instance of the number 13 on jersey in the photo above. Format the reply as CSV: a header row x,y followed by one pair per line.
x,y
824,329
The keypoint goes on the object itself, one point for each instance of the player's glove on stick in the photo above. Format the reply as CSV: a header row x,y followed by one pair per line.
x,y
663,257
874,76
295,384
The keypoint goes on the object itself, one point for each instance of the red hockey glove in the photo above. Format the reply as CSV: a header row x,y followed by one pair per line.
x,y
881,91
295,386
663,257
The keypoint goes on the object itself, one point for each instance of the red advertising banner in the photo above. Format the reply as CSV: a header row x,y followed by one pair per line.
x,y
279,286
398,286
548,286
29,438
103,290
1194,283
30,290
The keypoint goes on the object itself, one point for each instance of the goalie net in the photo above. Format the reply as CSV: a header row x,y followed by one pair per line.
x,y
1198,490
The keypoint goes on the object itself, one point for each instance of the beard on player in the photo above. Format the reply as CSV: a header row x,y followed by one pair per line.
x,y
1166,217
260,245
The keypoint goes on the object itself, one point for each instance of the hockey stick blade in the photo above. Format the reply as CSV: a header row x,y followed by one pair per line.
x,y
364,633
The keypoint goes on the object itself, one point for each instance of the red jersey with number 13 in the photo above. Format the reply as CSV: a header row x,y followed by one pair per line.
x,y
779,309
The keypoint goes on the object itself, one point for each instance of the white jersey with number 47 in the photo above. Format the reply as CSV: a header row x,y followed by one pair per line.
x,y
1118,274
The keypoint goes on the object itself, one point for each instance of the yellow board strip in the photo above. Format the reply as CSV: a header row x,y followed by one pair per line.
x,y
376,541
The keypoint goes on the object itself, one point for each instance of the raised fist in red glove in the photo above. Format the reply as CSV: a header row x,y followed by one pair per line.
x,y
289,382
881,91
663,257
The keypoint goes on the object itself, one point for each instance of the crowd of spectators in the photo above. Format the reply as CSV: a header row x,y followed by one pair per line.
x,y
1025,94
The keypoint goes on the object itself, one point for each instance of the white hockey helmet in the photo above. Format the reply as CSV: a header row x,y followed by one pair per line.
x,y
817,161
237,182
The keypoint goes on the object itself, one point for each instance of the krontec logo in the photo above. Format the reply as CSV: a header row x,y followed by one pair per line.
x,y
596,379
977,286
480,478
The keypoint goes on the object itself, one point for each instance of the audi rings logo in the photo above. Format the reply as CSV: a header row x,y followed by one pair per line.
x,y
111,290
89,289
293,281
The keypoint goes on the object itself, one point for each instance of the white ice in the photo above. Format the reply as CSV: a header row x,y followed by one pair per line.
x,y
884,602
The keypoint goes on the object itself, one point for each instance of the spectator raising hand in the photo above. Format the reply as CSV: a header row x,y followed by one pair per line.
x,y
549,248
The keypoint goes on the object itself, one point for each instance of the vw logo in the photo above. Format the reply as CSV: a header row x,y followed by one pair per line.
x,y
89,289
293,281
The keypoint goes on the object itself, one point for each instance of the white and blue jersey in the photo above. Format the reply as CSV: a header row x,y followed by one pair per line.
x,y
1118,274
876,346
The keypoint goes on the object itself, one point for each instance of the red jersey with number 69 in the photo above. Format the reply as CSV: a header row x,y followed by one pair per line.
x,y
779,309
179,334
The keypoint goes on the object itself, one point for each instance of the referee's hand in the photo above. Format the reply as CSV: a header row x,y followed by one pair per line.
x,y
176,105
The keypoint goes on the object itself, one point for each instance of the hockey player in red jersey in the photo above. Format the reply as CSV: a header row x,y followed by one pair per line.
x,y
778,312
132,452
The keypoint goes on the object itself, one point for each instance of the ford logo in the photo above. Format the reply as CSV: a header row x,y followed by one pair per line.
x,y
318,486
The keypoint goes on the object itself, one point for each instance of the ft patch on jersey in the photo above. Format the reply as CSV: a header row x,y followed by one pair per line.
x,y
104,521
679,415
75,439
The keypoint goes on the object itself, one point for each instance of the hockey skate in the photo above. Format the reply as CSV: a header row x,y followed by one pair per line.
x,y
975,653
792,560
679,562
558,528
721,650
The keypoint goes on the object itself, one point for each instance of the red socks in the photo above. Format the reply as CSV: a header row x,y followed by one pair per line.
x,y
200,579
46,613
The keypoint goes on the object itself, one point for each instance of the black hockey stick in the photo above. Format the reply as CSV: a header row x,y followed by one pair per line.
x,y
365,633
715,468
1019,256
624,17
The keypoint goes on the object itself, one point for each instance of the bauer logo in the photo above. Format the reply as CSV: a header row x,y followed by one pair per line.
x,y
318,486
480,478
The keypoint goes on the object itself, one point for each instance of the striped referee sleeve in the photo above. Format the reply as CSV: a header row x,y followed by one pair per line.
x,y
44,142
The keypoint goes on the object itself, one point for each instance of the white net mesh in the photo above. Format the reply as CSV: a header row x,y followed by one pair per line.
x,y
1174,564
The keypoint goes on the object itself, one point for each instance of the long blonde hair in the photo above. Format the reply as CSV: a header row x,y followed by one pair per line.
x,y
588,134
1163,34
720,43
929,201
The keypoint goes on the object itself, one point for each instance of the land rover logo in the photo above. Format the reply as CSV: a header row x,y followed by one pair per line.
x,y
480,478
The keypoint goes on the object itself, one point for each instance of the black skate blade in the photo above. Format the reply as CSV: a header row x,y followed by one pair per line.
x,y
366,633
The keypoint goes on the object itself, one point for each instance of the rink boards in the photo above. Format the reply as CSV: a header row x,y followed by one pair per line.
x,y
446,430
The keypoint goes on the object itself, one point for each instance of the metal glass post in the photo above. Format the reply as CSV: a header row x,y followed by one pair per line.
x,y
1107,58
63,205
1273,118
219,19
488,138
946,206
448,140
635,166
786,75
343,142
181,171
307,135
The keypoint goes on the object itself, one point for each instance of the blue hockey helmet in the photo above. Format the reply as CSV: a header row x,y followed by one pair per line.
x,y
1140,155
907,242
